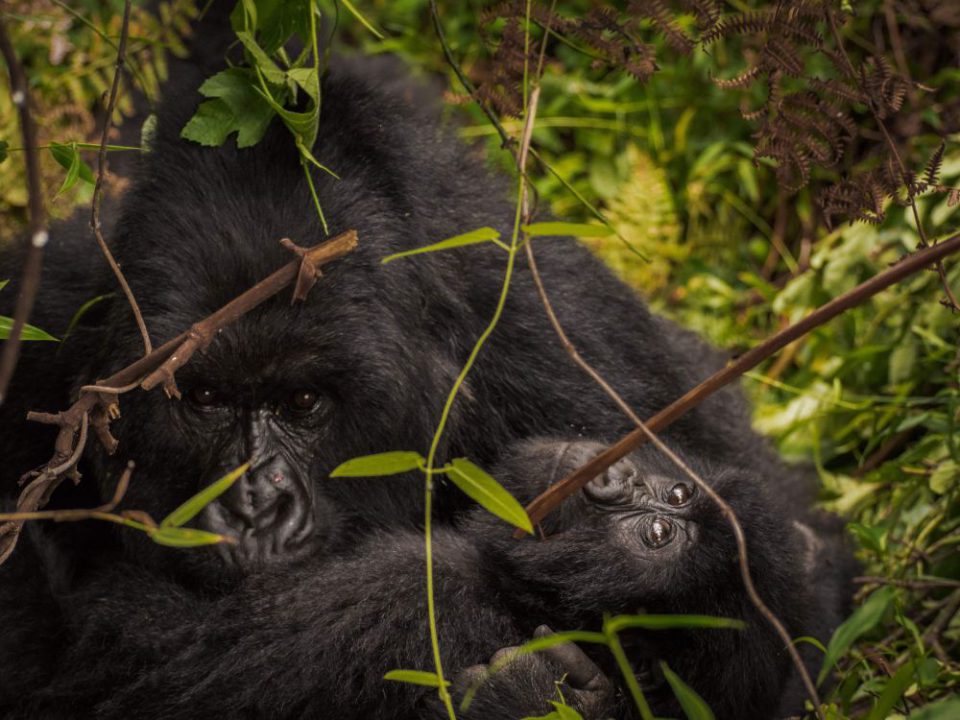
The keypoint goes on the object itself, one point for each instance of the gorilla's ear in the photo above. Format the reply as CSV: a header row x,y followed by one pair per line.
x,y
812,547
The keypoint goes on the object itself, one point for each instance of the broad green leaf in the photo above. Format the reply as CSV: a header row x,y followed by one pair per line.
x,y
474,237
694,706
186,512
668,622
277,21
893,691
303,125
862,620
562,228
184,537
480,486
237,89
388,463
270,70
308,80
363,21
415,677
3,150
948,709
29,331
211,124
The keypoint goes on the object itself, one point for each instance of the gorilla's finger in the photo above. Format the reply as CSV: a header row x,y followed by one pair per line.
x,y
582,672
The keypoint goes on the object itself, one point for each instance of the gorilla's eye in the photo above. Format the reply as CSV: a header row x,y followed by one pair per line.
x,y
204,397
302,401
679,495
659,533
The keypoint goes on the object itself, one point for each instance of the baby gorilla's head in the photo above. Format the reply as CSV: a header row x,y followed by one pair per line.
x,y
643,536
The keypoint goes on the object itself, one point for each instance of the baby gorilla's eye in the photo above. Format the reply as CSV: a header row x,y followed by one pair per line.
x,y
660,533
680,494
302,401
203,396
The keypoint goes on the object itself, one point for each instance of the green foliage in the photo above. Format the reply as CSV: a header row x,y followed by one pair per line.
x,y
488,493
388,463
561,711
68,157
474,237
694,706
864,619
416,677
189,509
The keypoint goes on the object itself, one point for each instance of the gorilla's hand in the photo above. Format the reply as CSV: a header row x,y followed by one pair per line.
x,y
523,685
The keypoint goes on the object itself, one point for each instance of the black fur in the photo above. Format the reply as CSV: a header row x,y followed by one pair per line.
x,y
100,622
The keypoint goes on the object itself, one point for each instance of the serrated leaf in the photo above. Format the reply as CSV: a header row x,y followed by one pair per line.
x,y
488,493
271,71
565,229
237,89
669,622
308,80
182,537
4,154
388,463
694,706
415,677
474,237
188,510
862,620
210,125
30,332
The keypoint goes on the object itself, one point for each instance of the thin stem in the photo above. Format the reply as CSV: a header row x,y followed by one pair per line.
x,y
613,642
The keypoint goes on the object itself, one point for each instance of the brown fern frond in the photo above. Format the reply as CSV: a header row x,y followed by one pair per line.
x,y
738,81
662,17
931,173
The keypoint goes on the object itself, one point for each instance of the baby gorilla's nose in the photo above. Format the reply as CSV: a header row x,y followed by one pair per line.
x,y
615,486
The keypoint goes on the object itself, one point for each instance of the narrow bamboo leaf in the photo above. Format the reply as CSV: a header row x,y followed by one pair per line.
x,y
363,21
810,640
186,512
480,486
694,706
184,537
68,157
30,332
893,691
563,229
474,237
388,463
668,622
3,284
862,620
415,677
83,310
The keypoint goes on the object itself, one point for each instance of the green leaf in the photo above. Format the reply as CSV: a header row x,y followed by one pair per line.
x,y
893,691
183,537
188,510
29,331
277,21
694,706
947,709
303,125
259,58
862,620
560,712
490,494
83,310
238,90
810,640
388,463
3,150
211,124
474,237
69,158
415,677
563,229
668,622
363,21
3,284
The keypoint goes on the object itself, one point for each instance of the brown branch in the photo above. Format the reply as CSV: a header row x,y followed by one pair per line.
x,y
97,405
551,498
38,235
98,188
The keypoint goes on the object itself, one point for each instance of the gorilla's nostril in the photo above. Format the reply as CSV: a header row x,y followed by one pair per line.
x,y
277,478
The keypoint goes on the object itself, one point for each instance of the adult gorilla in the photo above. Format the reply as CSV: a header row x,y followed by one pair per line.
x,y
362,366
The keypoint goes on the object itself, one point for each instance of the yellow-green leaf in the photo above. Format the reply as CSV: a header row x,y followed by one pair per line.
x,y
564,229
694,706
490,494
669,622
474,237
186,512
30,332
388,463
415,677
182,537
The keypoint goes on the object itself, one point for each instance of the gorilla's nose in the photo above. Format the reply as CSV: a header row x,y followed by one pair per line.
x,y
261,494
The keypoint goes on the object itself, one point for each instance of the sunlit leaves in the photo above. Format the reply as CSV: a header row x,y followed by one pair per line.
x,y
415,677
29,331
189,509
474,237
488,493
388,463
560,229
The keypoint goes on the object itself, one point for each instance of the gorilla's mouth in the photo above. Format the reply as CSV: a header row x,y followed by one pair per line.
x,y
278,528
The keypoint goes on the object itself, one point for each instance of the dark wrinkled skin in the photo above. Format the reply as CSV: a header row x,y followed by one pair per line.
x,y
324,593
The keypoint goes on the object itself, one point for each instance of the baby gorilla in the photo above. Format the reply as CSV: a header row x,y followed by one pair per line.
x,y
640,538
